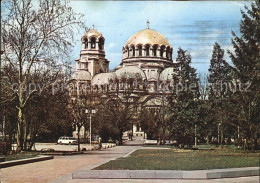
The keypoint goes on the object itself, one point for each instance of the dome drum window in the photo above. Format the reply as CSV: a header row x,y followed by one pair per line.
x,y
133,51
168,52
155,50
86,43
101,44
127,52
93,42
147,50
140,50
162,49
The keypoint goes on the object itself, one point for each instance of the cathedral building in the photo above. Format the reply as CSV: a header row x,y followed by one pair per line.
x,y
146,56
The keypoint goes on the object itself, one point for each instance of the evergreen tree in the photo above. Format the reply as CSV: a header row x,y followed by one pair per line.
x,y
219,78
246,60
220,71
185,105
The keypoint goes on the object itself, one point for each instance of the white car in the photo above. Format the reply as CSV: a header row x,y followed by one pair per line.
x,y
67,140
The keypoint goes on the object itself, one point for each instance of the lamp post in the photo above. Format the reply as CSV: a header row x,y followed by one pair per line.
x,y
90,112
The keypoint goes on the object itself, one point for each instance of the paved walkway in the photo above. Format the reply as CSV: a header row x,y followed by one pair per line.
x,y
135,141
228,180
60,169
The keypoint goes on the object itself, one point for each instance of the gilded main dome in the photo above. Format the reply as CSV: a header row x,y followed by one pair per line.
x,y
147,36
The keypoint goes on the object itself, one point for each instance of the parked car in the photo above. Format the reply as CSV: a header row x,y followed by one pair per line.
x,y
67,140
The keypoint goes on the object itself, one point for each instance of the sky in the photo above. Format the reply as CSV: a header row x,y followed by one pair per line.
x,y
192,25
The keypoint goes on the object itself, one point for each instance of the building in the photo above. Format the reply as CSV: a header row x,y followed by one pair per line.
x,y
146,56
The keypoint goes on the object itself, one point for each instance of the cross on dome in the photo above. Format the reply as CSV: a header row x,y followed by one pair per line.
x,y
93,26
148,22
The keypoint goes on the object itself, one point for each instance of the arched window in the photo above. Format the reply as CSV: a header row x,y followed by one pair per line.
x,y
162,51
127,52
123,50
147,50
101,44
140,50
133,51
168,52
93,42
86,43
155,50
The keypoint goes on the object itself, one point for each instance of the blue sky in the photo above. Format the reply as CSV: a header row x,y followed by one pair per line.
x,y
192,25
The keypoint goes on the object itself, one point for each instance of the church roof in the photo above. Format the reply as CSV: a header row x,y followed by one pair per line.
x,y
81,75
130,72
102,78
147,36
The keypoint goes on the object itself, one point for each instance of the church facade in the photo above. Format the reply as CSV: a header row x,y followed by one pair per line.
x,y
146,57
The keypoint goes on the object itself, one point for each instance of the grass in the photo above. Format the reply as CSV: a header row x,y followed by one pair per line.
x,y
22,155
160,146
168,159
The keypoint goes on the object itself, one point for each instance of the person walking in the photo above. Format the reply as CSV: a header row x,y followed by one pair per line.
x,y
99,143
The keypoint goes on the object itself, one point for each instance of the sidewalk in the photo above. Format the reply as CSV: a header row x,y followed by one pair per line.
x,y
61,167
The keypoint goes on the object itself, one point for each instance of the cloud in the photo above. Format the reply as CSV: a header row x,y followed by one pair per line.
x,y
236,3
110,45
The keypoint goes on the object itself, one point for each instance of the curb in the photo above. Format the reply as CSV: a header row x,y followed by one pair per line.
x,y
24,161
167,174
62,153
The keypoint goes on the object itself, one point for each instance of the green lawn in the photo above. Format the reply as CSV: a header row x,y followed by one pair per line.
x,y
22,155
168,159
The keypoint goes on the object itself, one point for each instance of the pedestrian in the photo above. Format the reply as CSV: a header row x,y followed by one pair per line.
x,y
99,143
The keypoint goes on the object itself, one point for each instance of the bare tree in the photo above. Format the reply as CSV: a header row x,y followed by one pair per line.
x,y
36,36
120,103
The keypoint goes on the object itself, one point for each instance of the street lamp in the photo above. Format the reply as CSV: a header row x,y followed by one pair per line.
x,y
90,112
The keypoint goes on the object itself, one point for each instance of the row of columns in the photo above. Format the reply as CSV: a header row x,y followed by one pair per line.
x,y
128,52
107,87
83,45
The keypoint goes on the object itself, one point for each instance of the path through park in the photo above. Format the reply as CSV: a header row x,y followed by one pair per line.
x,y
60,169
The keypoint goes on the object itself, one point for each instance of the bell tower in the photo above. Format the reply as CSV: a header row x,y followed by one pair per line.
x,y
92,54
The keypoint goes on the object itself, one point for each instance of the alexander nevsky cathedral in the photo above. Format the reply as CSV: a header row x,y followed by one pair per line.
x,y
146,56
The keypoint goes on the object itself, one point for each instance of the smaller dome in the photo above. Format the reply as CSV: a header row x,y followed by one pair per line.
x,y
102,78
92,33
130,72
82,75
167,74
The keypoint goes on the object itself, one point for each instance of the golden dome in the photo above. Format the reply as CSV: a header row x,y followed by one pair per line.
x,y
92,33
147,36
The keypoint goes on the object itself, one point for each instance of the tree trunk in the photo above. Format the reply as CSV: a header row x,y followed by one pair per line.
x,y
163,135
121,137
245,145
20,127
256,146
222,136
32,142
26,133
78,138
85,136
